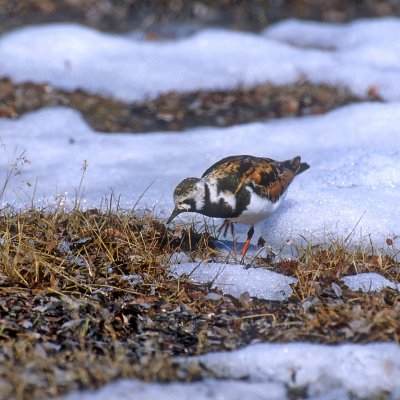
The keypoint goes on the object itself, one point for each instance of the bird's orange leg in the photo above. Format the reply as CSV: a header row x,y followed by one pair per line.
x,y
250,234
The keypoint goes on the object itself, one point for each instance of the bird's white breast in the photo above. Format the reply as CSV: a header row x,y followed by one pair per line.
x,y
258,209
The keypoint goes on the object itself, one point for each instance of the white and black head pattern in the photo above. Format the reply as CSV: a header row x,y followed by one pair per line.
x,y
188,196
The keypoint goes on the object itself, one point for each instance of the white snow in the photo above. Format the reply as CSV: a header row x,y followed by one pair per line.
x,y
233,279
362,55
208,389
369,282
265,371
361,369
353,186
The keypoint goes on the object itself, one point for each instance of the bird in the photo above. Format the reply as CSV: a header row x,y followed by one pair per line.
x,y
243,188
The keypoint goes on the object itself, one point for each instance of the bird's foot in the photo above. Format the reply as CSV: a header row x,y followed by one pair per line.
x,y
225,226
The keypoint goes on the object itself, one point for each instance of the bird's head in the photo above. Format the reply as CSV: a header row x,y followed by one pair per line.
x,y
188,196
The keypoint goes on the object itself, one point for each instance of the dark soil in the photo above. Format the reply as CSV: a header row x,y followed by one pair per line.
x,y
156,17
178,111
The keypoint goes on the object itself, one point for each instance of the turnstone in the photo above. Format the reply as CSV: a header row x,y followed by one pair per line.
x,y
243,189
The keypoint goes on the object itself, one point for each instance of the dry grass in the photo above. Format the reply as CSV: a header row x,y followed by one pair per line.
x,y
86,297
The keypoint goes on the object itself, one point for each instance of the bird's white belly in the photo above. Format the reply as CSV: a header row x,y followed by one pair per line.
x,y
258,209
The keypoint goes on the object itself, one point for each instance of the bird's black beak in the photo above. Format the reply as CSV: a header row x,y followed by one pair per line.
x,y
174,213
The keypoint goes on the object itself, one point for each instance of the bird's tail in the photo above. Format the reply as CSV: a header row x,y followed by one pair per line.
x,y
296,165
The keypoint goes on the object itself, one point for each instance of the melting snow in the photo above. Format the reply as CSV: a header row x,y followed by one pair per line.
x,y
208,389
369,282
266,371
361,369
234,279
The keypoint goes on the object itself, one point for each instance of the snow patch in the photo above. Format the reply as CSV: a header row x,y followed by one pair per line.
x,y
208,389
369,282
235,279
362,369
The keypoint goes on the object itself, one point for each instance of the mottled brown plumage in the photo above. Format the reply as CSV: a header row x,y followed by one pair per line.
x,y
269,178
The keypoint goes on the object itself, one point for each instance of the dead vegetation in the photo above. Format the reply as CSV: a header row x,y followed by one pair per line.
x,y
156,17
179,111
86,297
